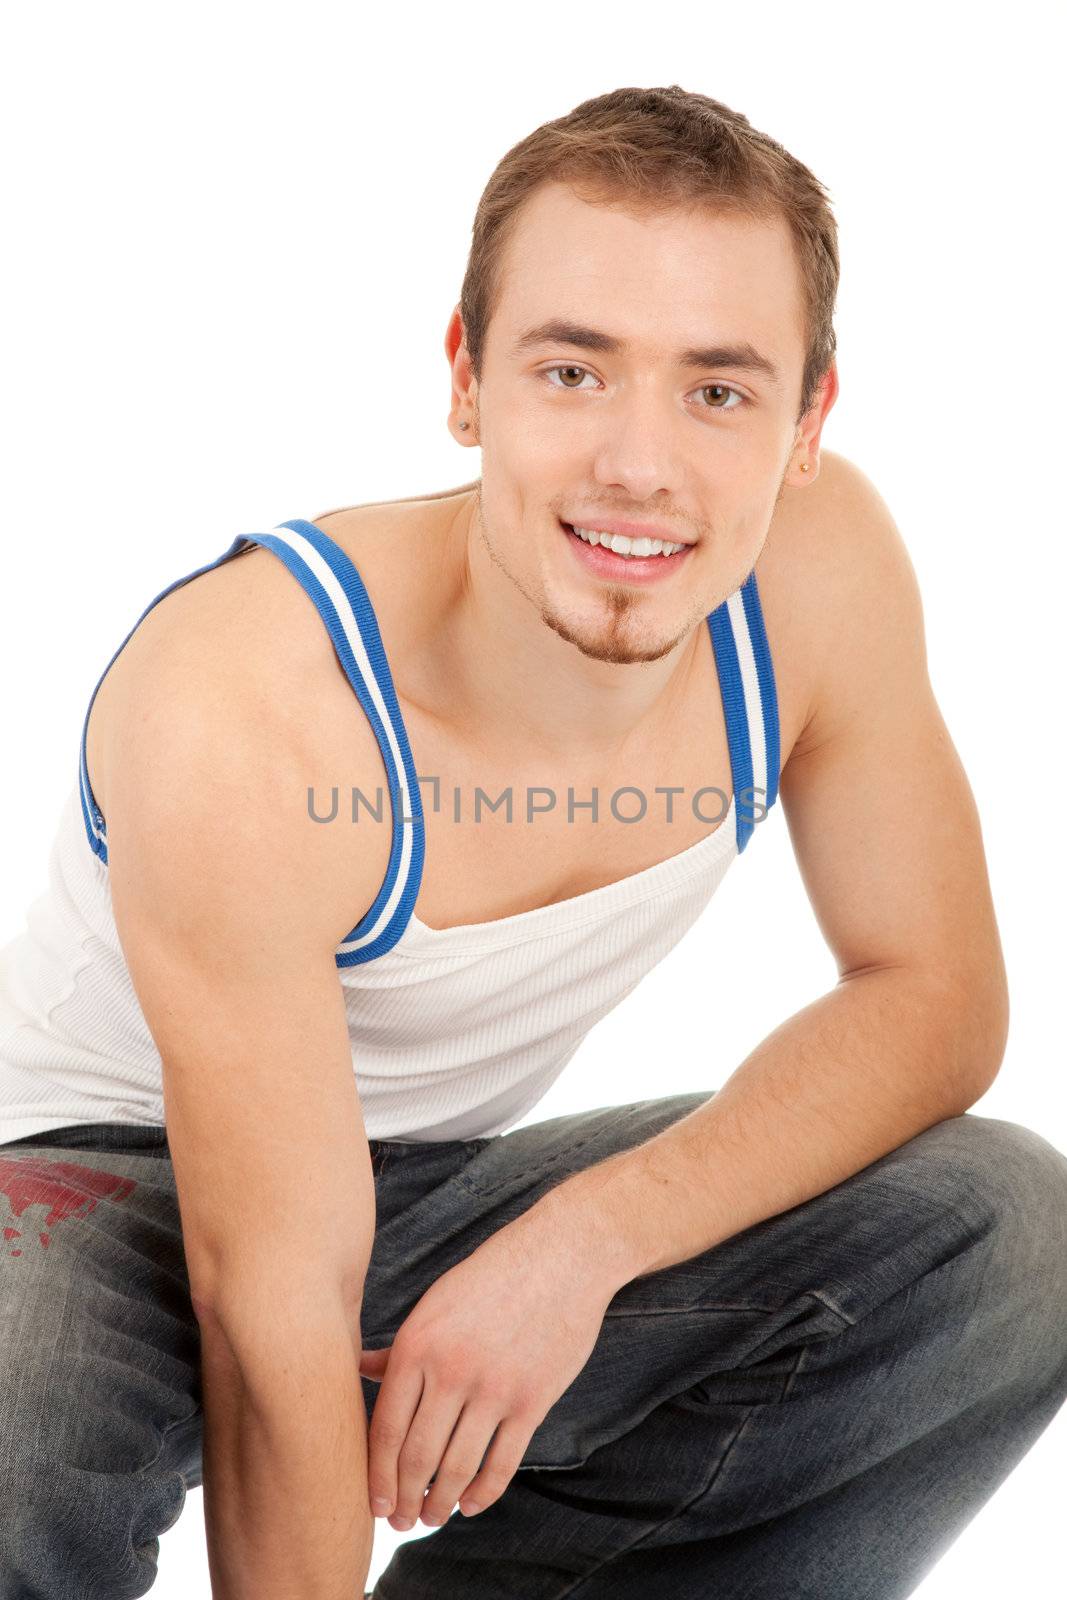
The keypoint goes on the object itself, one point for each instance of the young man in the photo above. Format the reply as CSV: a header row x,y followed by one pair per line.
x,y
779,1339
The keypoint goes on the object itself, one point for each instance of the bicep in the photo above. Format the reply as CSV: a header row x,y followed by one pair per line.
x,y
880,812
226,901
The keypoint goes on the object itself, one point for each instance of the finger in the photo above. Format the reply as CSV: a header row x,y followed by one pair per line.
x,y
423,1449
459,1465
397,1402
500,1465
372,1364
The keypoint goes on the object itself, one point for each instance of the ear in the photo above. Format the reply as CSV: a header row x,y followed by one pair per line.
x,y
464,384
809,432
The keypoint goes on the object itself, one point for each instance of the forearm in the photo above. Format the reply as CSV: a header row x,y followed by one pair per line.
x,y
285,1470
852,1076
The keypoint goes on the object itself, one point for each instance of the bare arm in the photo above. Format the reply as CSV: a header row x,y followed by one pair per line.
x,y
230,903
889,846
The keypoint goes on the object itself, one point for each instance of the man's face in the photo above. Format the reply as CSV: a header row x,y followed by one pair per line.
x,y
579,435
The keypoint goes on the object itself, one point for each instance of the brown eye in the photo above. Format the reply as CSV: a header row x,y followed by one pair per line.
x,y
577,372
722,389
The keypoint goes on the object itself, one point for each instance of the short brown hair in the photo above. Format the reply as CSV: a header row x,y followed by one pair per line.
x,y
654,149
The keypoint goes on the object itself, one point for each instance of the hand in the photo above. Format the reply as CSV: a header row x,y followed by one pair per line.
x,y
480,1360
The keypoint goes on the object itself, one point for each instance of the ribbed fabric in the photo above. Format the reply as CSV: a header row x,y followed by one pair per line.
x,y
456,1033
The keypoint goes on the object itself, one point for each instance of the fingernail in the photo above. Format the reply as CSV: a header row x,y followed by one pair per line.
x,y
431,1521
469,1509
378,1505
402,1524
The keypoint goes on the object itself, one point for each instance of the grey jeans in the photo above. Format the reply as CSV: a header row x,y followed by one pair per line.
x,y
814,1408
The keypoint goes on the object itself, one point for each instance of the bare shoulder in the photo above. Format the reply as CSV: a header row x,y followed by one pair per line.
x,y
835,577
250,611
239,652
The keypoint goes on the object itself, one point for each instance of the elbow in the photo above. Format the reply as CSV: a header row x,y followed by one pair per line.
x,y
980,1017
996,1036
994,1004
202,1308
245,1304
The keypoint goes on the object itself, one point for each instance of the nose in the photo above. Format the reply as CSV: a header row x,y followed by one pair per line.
x,y
636,453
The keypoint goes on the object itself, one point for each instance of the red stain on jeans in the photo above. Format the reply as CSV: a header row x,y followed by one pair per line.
x,y
67,1189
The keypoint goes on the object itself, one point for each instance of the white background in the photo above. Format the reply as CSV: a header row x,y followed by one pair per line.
x,y
234,236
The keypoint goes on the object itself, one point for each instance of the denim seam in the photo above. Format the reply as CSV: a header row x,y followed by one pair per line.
x,y
542,1167
824,1300
729,1305
688,1311
586,1577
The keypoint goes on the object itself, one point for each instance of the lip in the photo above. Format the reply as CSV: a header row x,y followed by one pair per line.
x,y
632,530
637,570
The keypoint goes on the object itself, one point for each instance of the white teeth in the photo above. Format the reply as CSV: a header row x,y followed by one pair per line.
x,y
622,546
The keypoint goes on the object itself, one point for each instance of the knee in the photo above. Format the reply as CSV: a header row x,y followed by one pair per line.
x,y
1008,1187
1009,1176
79,1516
81,1533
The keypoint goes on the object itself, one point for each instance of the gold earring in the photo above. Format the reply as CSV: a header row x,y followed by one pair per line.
x,y
804,467
464,424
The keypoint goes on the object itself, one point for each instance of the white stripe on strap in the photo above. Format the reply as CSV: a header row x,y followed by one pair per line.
x,y
307,552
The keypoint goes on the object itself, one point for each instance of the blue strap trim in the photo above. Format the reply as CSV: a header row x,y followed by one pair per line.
x,y
733,702
761,651
355,592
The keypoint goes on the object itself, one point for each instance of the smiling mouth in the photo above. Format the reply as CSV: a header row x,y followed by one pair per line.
x,y
627,555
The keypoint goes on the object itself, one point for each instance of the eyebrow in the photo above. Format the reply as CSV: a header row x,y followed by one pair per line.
x,y
744,357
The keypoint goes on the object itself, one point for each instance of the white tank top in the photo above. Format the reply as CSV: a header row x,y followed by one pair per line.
x,y
456,1033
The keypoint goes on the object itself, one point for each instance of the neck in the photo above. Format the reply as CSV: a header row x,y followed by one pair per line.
x,y
519,682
